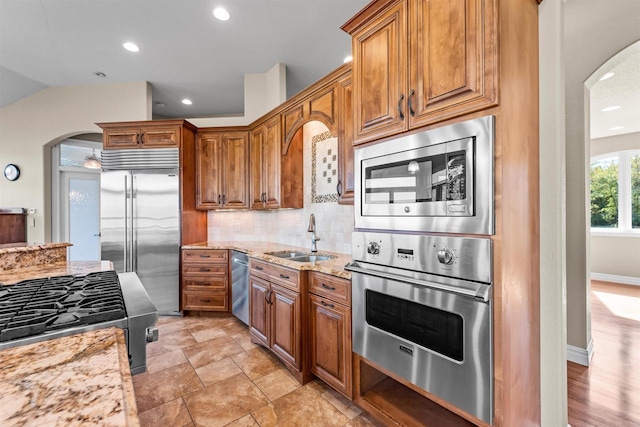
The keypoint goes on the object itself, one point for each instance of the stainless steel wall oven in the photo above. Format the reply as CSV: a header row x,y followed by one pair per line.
x,y
422,309
440,180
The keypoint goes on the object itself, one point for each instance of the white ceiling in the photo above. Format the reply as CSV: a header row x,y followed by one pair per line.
x,y
621,90
184,51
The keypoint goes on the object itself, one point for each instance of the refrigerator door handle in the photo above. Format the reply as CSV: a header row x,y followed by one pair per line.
x,y
126,225
132,240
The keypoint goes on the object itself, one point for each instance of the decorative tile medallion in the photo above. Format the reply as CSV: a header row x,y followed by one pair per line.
x,y
324,168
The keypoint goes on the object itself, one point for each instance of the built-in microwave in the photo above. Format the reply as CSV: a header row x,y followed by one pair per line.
x,y
439,180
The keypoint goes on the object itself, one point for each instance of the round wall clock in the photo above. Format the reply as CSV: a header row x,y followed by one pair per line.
x,y
11,172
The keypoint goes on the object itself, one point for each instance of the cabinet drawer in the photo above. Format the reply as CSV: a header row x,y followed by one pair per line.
x,y
204,270
210,301
332,287
284,276
205,255
204,283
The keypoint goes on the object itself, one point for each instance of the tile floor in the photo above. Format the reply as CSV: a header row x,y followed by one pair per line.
x,y
206,372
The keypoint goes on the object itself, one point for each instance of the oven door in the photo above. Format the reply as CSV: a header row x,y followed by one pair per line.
x,y
437,339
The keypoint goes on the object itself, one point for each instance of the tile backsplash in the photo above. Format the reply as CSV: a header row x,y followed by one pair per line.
x,y
334,222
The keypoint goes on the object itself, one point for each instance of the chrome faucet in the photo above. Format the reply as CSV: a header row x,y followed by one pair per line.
x,y
312,230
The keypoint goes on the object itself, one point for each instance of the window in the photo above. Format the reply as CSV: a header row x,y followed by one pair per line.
x,y
615,192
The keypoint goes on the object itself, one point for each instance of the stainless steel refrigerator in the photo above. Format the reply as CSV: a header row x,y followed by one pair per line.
x,y
140,219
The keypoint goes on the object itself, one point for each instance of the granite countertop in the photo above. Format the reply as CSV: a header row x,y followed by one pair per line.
x,y
63,268
82,379
7,248
334,266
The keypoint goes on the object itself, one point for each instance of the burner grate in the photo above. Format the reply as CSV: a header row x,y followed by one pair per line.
x,y
38,306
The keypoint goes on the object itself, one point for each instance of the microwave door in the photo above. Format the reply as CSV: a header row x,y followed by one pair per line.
x,y
460,177
409,183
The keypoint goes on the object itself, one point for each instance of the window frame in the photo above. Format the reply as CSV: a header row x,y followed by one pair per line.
x,y
624,228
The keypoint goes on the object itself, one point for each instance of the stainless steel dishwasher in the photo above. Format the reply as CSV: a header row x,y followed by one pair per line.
x,y
240,286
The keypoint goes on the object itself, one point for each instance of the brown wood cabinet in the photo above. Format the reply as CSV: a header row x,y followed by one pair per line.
x,y
418,62
276,313
330,331
321,105
140,135
346,178
205,280
276,179
222,169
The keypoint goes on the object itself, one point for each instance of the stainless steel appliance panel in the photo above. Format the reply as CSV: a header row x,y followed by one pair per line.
x,y
418,205
155,244
114,208
240,286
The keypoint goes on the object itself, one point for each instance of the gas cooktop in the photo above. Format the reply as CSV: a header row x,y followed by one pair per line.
x,y
40,306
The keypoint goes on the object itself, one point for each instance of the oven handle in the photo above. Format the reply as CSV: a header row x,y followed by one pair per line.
x,y
481,294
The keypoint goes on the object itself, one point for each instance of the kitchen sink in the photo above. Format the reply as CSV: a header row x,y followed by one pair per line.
x,y
300,256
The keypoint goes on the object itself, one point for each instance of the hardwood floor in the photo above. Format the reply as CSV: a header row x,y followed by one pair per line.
x,y
607,393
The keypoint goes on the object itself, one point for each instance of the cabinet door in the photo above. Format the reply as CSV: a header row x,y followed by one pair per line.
x,y
256,147
235,192
346,181
160,137
286,325
271,163
208,164
330,360
380,75
124,138
453,59
259,310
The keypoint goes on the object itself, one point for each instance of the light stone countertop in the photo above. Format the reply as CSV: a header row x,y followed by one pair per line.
x,y
14,256
62,268
334,267
79,380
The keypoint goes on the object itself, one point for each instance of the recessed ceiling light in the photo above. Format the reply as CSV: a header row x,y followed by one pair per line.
x,y
616,128
187,101
131,47
348,59
611,108
221,13
607,76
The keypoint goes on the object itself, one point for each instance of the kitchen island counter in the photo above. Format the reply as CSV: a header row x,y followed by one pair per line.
x,y
81,379
20,255
334,267
62,268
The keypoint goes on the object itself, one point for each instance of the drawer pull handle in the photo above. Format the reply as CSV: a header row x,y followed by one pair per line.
x,y
205,256
258,267
205,284
204,269
331,288
205,300
284,276
327,305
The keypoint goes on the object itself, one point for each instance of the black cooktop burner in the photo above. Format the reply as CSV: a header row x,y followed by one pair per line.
x,y
37,306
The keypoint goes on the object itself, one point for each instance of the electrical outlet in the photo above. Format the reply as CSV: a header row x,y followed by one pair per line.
x,y
32,211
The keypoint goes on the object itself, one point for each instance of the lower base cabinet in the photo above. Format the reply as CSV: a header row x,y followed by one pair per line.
x,y
330,332
205,280
275,314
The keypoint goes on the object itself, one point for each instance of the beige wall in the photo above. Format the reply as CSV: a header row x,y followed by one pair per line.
x,y
334,222
49,116
595,30
553,318
615,255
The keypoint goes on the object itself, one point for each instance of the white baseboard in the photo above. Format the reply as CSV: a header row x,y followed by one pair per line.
x,y
580,355
625,280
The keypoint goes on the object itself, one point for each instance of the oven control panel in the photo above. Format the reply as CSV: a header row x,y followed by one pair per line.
x,y
461,257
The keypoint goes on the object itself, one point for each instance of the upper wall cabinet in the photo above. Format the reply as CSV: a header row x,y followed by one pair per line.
x,y
321,105
140,135
222,170
417,62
